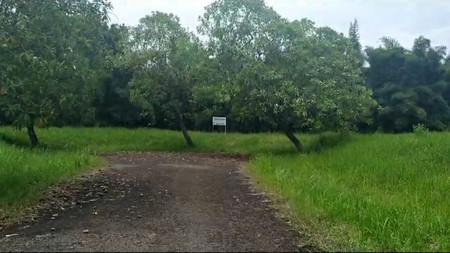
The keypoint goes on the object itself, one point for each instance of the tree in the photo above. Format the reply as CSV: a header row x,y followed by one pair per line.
x,y
446,80
164,59
230,45
353,35
291,76
409,85
390,43
44,48
112,101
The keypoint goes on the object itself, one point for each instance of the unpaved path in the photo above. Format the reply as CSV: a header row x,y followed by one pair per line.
x,y
159,202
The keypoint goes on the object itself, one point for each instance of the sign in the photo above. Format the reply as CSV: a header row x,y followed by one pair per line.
x,y
219,121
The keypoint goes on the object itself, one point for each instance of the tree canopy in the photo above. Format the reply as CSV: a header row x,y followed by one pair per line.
x,y
63,63
48,50
410,85
290,75
165,60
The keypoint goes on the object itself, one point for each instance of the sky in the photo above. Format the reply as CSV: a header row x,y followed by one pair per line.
x,y
403,20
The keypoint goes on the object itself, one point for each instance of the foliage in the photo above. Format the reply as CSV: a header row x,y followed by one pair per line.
x,y
165,60
410,85
263,72
112,101
290,76
420,129
353,35
47,49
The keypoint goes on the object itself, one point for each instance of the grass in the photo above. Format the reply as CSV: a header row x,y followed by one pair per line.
x,y
349,192
26,174
376,193
97,140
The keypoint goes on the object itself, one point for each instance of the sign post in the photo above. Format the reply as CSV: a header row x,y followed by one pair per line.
x,y
219,121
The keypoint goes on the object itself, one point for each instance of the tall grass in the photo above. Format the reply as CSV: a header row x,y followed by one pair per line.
x,y
26,174
120,139
378,192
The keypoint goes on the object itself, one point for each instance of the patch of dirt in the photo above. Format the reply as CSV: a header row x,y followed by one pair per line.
x,y
157,202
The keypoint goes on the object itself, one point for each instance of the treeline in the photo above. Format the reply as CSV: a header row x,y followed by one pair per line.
x,y
62,63
411,86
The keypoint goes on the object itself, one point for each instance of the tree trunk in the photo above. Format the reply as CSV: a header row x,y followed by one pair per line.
x,y
298,145
184,130
33,137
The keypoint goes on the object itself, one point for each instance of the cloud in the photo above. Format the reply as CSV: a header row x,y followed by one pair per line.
x,y
404,20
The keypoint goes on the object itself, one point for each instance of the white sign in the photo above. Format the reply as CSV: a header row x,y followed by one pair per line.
x,y
219,121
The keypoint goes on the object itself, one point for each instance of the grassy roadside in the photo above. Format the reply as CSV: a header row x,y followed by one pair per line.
x,y
377,193
371,193
25,175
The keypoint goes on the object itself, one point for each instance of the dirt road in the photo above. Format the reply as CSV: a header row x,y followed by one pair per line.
x,y
159,202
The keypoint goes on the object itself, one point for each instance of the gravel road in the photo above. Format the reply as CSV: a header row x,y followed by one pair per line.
x,y
159,202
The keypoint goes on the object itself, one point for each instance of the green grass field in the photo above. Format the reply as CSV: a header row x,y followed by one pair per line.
x,y
378,192
349,192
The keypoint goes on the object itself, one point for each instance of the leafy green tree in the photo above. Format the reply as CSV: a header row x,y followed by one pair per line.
x,y
231,44
446,80
164,59
290,76
390,43
409,85
112,101
353,35
44,49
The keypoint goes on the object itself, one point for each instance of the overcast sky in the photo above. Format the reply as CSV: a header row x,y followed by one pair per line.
x,y
403,20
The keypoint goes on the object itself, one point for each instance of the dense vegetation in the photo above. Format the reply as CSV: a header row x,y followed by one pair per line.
x,y
411,86
263,72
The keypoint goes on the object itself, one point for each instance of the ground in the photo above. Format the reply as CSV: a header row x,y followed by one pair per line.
x,y
158,202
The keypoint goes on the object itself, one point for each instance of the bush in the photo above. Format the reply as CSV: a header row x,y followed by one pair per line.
x,y
420,129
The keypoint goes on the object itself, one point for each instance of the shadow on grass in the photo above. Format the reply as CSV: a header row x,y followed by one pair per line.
x,y
317,144
25,143
14,141
327,141
280,151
